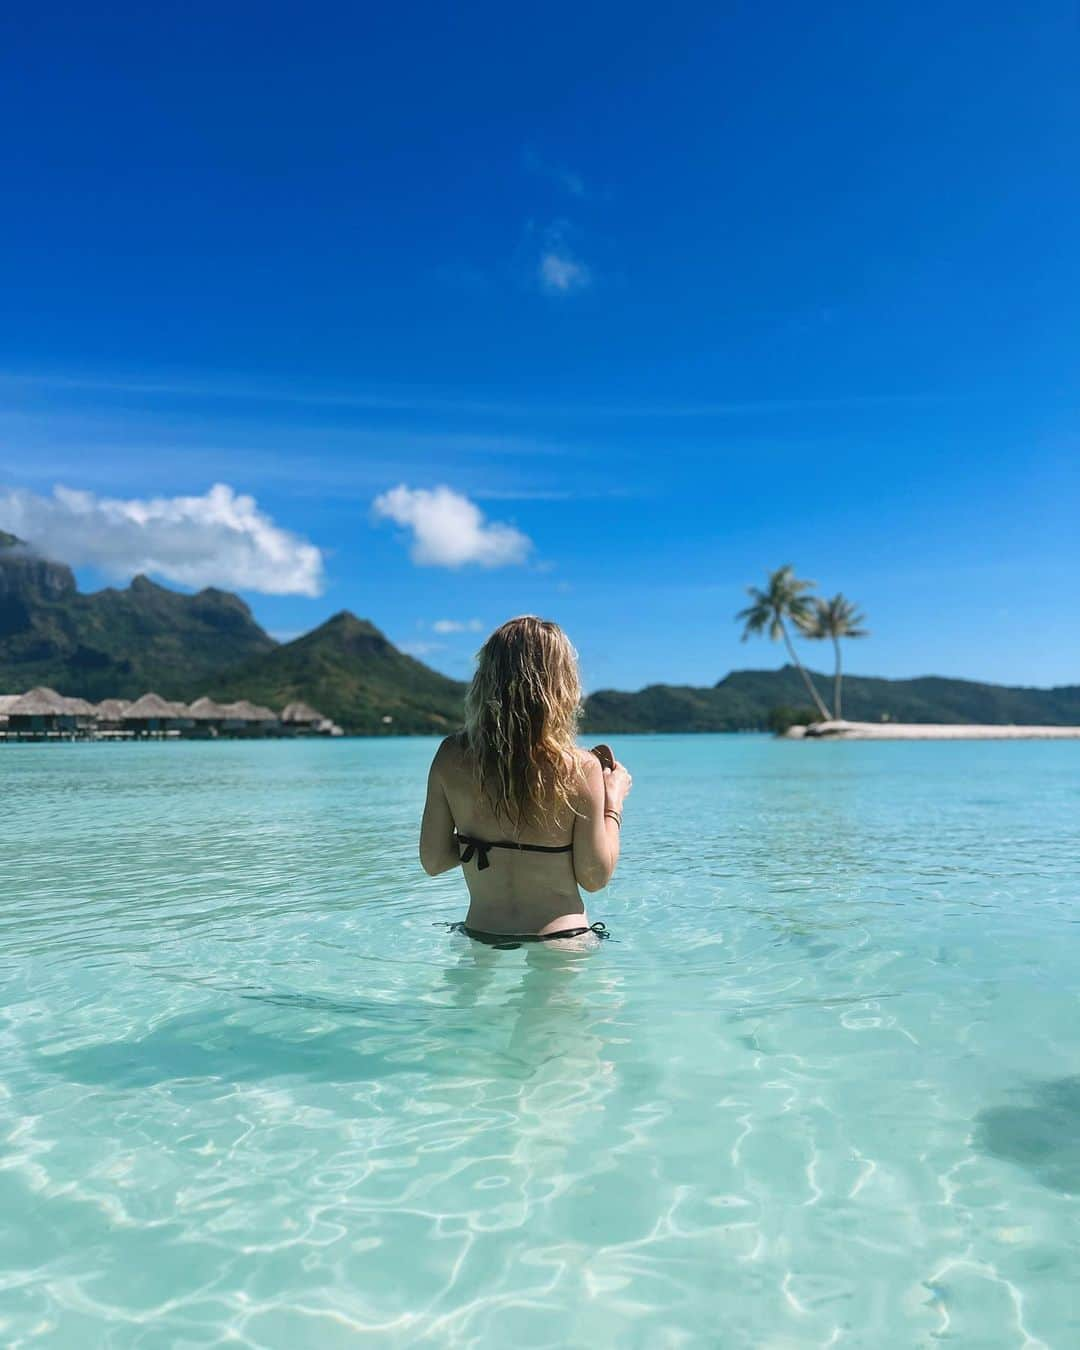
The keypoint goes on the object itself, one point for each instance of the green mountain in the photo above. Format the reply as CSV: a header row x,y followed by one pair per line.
x,y
123,642
352,673
114,642
743,700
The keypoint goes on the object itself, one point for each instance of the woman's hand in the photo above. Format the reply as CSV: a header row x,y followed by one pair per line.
x,y
617,785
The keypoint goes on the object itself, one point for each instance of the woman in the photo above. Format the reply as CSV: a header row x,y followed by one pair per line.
x,y
513,801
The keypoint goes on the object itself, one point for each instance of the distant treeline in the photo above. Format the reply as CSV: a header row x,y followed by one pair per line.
x,y
746,700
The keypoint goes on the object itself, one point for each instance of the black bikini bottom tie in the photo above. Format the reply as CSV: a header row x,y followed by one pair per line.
x,y
508,942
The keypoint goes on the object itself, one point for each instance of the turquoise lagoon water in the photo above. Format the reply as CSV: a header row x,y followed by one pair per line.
x,y
823,1088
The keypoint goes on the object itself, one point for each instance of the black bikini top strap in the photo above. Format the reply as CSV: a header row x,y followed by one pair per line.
x,y
478,848
474,848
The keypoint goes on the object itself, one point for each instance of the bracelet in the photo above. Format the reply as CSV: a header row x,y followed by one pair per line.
x,y
615,816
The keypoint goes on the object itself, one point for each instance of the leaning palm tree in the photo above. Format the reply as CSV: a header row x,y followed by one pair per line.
x,y
836,618
784,598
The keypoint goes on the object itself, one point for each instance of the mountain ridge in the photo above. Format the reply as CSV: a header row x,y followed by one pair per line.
x,y
113,642
353,674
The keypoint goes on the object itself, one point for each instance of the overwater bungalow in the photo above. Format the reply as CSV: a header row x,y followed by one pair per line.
x,y
6,700
208,717
302,719
83,712
251,719
41,712
110,714
267,721
153,715
184,720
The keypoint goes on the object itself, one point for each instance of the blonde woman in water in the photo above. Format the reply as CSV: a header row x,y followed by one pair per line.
x,y
528,816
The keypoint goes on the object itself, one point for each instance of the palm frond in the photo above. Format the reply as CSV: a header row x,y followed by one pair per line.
x,y
838,618
784,597
811,622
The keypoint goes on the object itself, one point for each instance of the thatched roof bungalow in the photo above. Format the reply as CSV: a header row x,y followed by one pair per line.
x,y
207,710
39,702
152,713
251,712
110,711
41,710
302,719
252,718
265,719
84,712
301,715
208,717
44,712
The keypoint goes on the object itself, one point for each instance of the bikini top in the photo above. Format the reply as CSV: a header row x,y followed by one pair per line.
x,y
479,849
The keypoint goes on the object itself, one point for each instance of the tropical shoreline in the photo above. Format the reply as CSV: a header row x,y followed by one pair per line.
x,y
927,731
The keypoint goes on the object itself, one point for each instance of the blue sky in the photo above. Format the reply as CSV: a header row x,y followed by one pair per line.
x,y
668,299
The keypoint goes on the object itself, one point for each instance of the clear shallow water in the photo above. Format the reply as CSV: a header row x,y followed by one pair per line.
x,y
824,1089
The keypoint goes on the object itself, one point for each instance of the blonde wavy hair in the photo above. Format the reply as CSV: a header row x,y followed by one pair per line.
x,y
521,721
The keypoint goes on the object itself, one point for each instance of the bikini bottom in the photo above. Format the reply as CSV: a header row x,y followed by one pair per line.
x,y
508,942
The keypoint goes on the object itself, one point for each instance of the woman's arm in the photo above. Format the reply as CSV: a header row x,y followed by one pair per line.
x,y
438,851
596,831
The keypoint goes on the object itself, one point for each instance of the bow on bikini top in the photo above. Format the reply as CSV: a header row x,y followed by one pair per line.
x,y
479,849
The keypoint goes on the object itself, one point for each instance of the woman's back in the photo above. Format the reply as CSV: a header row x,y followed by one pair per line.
x,y
511,799
522,891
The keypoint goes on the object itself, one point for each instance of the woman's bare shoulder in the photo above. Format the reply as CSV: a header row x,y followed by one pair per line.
x,y
450,756
589,774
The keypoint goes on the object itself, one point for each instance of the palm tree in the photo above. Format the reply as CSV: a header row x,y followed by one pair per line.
x,y
784,598
836,618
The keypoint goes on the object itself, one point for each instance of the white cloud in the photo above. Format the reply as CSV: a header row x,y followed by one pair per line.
x,y
561,274
449,530
219,539
550,260
458,626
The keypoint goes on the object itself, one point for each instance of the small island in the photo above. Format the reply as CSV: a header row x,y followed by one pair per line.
x,y
786,604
